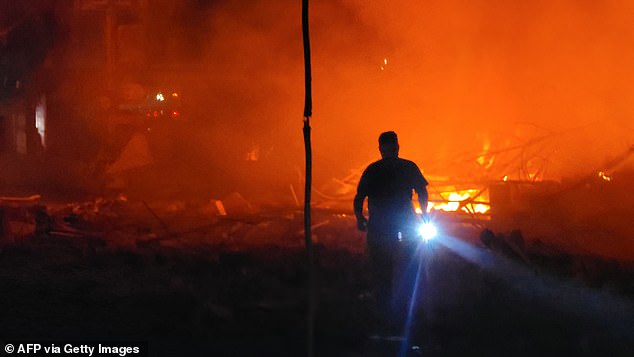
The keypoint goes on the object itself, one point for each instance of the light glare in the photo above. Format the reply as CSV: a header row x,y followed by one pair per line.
x,y
427,230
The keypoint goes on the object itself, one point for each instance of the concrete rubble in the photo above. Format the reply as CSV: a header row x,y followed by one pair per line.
x,y
222,277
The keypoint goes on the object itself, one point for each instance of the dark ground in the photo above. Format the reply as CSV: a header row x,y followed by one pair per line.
x,y
237,287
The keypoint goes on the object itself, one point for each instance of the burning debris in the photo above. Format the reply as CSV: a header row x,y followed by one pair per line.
x,y
80,110
569,214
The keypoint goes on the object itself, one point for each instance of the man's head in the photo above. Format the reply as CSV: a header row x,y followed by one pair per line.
x,y
388,144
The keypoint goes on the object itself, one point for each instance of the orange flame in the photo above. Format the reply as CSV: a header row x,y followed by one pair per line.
x,y
470,201
604,176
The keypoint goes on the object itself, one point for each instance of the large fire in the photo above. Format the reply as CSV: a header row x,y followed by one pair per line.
x,y
471,201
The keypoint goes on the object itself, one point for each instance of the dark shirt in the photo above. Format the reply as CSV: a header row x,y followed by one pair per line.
x,y
388,185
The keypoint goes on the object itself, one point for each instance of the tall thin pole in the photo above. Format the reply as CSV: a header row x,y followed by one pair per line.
x,y
308,99
308,112
110,39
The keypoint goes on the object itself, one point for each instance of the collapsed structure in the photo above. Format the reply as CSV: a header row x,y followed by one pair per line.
x,y
587,214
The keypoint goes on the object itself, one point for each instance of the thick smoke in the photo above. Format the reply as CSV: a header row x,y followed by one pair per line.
x,y
467,72
465,84
453,78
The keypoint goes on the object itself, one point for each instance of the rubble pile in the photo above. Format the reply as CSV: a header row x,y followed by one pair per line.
x,y
176,271
179,270
234,225
595,271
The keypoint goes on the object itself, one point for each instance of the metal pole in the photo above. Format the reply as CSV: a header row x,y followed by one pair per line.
x,y
109,39
308,108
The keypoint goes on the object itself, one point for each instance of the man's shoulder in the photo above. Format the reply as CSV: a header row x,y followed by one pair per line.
x,y
412,169
390,163
407,163
375,165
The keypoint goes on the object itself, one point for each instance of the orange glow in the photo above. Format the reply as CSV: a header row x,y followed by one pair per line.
x,y
604,176
417,208
384,64
485,160
470,201
220,207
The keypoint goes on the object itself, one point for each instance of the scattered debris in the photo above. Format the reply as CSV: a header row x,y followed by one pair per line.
x,y
511,245
235,204
19,218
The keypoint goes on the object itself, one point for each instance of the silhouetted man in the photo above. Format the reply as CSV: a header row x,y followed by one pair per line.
x,y
388,185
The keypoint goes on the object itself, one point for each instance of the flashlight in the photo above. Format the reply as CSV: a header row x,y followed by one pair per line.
x,y
427,231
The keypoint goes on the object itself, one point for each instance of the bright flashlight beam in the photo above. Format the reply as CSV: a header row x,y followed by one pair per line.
x,y
428,231
614,312
410,311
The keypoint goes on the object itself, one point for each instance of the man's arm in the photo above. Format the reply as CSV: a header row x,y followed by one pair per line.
x,y
423,198
362,222
420,186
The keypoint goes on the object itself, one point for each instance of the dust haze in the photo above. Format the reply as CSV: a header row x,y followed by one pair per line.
x,y
455,79
475,89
